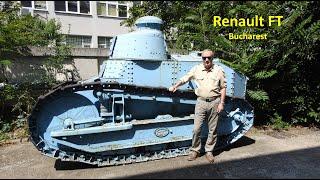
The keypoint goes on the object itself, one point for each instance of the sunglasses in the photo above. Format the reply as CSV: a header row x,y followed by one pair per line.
x,y
209,57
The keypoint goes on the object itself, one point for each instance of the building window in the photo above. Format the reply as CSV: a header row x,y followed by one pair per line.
x,y
38,5
137,3
85,7
60,6
79,41
113,8
104,42
80,7
26,4
72,6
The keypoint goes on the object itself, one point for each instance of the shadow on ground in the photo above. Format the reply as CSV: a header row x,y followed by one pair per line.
x,y
293,164
302,163
69,165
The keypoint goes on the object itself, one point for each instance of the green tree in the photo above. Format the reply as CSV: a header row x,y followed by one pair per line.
x,y
18,34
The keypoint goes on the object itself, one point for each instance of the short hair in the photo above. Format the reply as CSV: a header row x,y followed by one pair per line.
x,y
208,50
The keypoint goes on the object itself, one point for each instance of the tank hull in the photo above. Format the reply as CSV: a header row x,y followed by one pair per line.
x,y
158,126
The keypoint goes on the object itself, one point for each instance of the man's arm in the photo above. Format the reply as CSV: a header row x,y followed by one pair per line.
x,y
223,95
175,87
183,80
223,89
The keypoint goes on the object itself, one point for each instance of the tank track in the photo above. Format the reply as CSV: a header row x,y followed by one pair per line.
x,y
96,159
112,160
119,159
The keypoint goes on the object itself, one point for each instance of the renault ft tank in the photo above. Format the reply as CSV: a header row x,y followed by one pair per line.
x,y
126,114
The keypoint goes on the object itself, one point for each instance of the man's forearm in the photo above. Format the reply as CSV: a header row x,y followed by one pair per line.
x,y
179,83
223,95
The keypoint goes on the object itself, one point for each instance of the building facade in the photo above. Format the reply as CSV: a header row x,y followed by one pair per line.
x,y
88,26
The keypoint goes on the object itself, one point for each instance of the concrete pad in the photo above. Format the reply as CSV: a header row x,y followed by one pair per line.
x,y
260,154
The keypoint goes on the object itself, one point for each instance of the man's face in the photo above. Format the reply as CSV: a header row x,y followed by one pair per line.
x,y
207,59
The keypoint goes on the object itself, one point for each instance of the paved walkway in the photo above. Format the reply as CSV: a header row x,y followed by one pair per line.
x,y
260,154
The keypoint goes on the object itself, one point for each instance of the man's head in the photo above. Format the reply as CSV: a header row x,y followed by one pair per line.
x,y
207,56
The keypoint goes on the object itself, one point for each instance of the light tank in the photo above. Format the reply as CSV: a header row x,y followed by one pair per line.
x,y
126,114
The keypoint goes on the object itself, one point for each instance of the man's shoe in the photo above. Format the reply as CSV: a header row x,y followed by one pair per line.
x,y
210,157
193,155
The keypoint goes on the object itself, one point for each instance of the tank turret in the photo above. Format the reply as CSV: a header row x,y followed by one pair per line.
x,y
146,43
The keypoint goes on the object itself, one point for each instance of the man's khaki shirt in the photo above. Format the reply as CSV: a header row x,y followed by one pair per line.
x,y
209,83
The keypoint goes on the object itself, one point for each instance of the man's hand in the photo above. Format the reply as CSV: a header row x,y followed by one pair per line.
x,y
220,107
173,88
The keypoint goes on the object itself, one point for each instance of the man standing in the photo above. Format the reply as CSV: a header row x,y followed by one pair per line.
x,y
211,92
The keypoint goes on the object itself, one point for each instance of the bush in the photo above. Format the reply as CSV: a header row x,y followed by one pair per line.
x,y
278,124
17,103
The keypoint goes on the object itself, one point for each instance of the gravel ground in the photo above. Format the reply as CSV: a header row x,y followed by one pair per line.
x,y
260,154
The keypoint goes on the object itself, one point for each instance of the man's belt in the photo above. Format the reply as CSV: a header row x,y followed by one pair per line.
x,y
210,99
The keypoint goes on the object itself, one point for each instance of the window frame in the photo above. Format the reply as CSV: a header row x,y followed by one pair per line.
x,y
33,6
83,44
107,44
72,12
117,8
